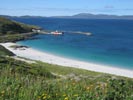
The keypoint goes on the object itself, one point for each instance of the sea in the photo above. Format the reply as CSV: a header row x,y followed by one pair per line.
x,y
111,42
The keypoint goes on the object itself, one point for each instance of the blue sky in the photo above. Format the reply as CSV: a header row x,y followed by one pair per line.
x,y
65,7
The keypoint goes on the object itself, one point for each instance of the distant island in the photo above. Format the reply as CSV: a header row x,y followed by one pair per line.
x,y
80,15
97,16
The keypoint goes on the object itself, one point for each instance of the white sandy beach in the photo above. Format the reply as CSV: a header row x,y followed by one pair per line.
x,y
52,59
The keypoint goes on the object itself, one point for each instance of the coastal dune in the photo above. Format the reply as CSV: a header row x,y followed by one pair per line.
x,y
53,59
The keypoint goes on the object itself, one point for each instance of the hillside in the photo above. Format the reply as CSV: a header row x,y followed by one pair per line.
x,y
42,81
97,16
5,52
12,27
10,31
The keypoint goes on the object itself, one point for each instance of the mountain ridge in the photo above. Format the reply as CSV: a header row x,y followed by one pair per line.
x,y
78,16
96,16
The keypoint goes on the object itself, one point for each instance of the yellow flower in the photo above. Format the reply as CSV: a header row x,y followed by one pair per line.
x,y
2,92
66,98
64,95
87,88
75,95
44,97
73,83
44,94
106,85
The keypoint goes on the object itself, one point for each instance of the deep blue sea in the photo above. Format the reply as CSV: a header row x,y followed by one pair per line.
x,y
111,42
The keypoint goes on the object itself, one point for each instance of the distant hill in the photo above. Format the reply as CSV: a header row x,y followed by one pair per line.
x,y
8,26
25,16
98,16
80,15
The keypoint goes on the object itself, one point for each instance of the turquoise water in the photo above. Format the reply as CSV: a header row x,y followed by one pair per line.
x,y
110,44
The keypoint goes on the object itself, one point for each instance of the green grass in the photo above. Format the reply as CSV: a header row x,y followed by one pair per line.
x,y
11,31
67,70
16,37
4,51
8,26
42,81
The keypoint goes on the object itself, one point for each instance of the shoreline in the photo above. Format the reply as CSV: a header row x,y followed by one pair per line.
x,y
53,59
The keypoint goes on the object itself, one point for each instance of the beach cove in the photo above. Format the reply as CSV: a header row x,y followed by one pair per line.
x,y
34,54
110,43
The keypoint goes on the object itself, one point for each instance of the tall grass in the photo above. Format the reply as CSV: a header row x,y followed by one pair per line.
x,y
22,81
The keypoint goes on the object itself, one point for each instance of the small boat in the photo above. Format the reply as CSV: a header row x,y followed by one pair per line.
x,y
57,33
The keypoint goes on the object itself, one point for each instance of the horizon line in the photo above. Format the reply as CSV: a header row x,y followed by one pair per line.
x,y
64,15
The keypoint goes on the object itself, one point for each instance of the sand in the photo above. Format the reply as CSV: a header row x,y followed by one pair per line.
x,y
53,59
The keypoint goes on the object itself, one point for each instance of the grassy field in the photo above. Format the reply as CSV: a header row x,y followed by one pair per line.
x,y
42,81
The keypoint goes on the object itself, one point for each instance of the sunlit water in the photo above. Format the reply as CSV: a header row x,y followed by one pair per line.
x,y
110,44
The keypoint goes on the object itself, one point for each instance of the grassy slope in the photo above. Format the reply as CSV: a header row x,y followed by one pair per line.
x,y
16,37
4,51
12,27
10,30
42,81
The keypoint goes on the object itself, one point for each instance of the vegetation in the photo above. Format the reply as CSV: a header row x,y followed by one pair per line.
x,y
10,31
42,81
5,52
11,27
16,37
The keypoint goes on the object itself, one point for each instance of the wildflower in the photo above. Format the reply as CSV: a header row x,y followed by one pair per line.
x,y
64,95
73,83
66,98
88,88
44,97
2,92
44,94
106,84
56,94
75,95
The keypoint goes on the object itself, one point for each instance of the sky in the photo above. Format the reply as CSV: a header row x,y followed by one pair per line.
x,y
65,7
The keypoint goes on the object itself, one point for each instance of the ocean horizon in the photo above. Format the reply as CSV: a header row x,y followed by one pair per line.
x,y
110,43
